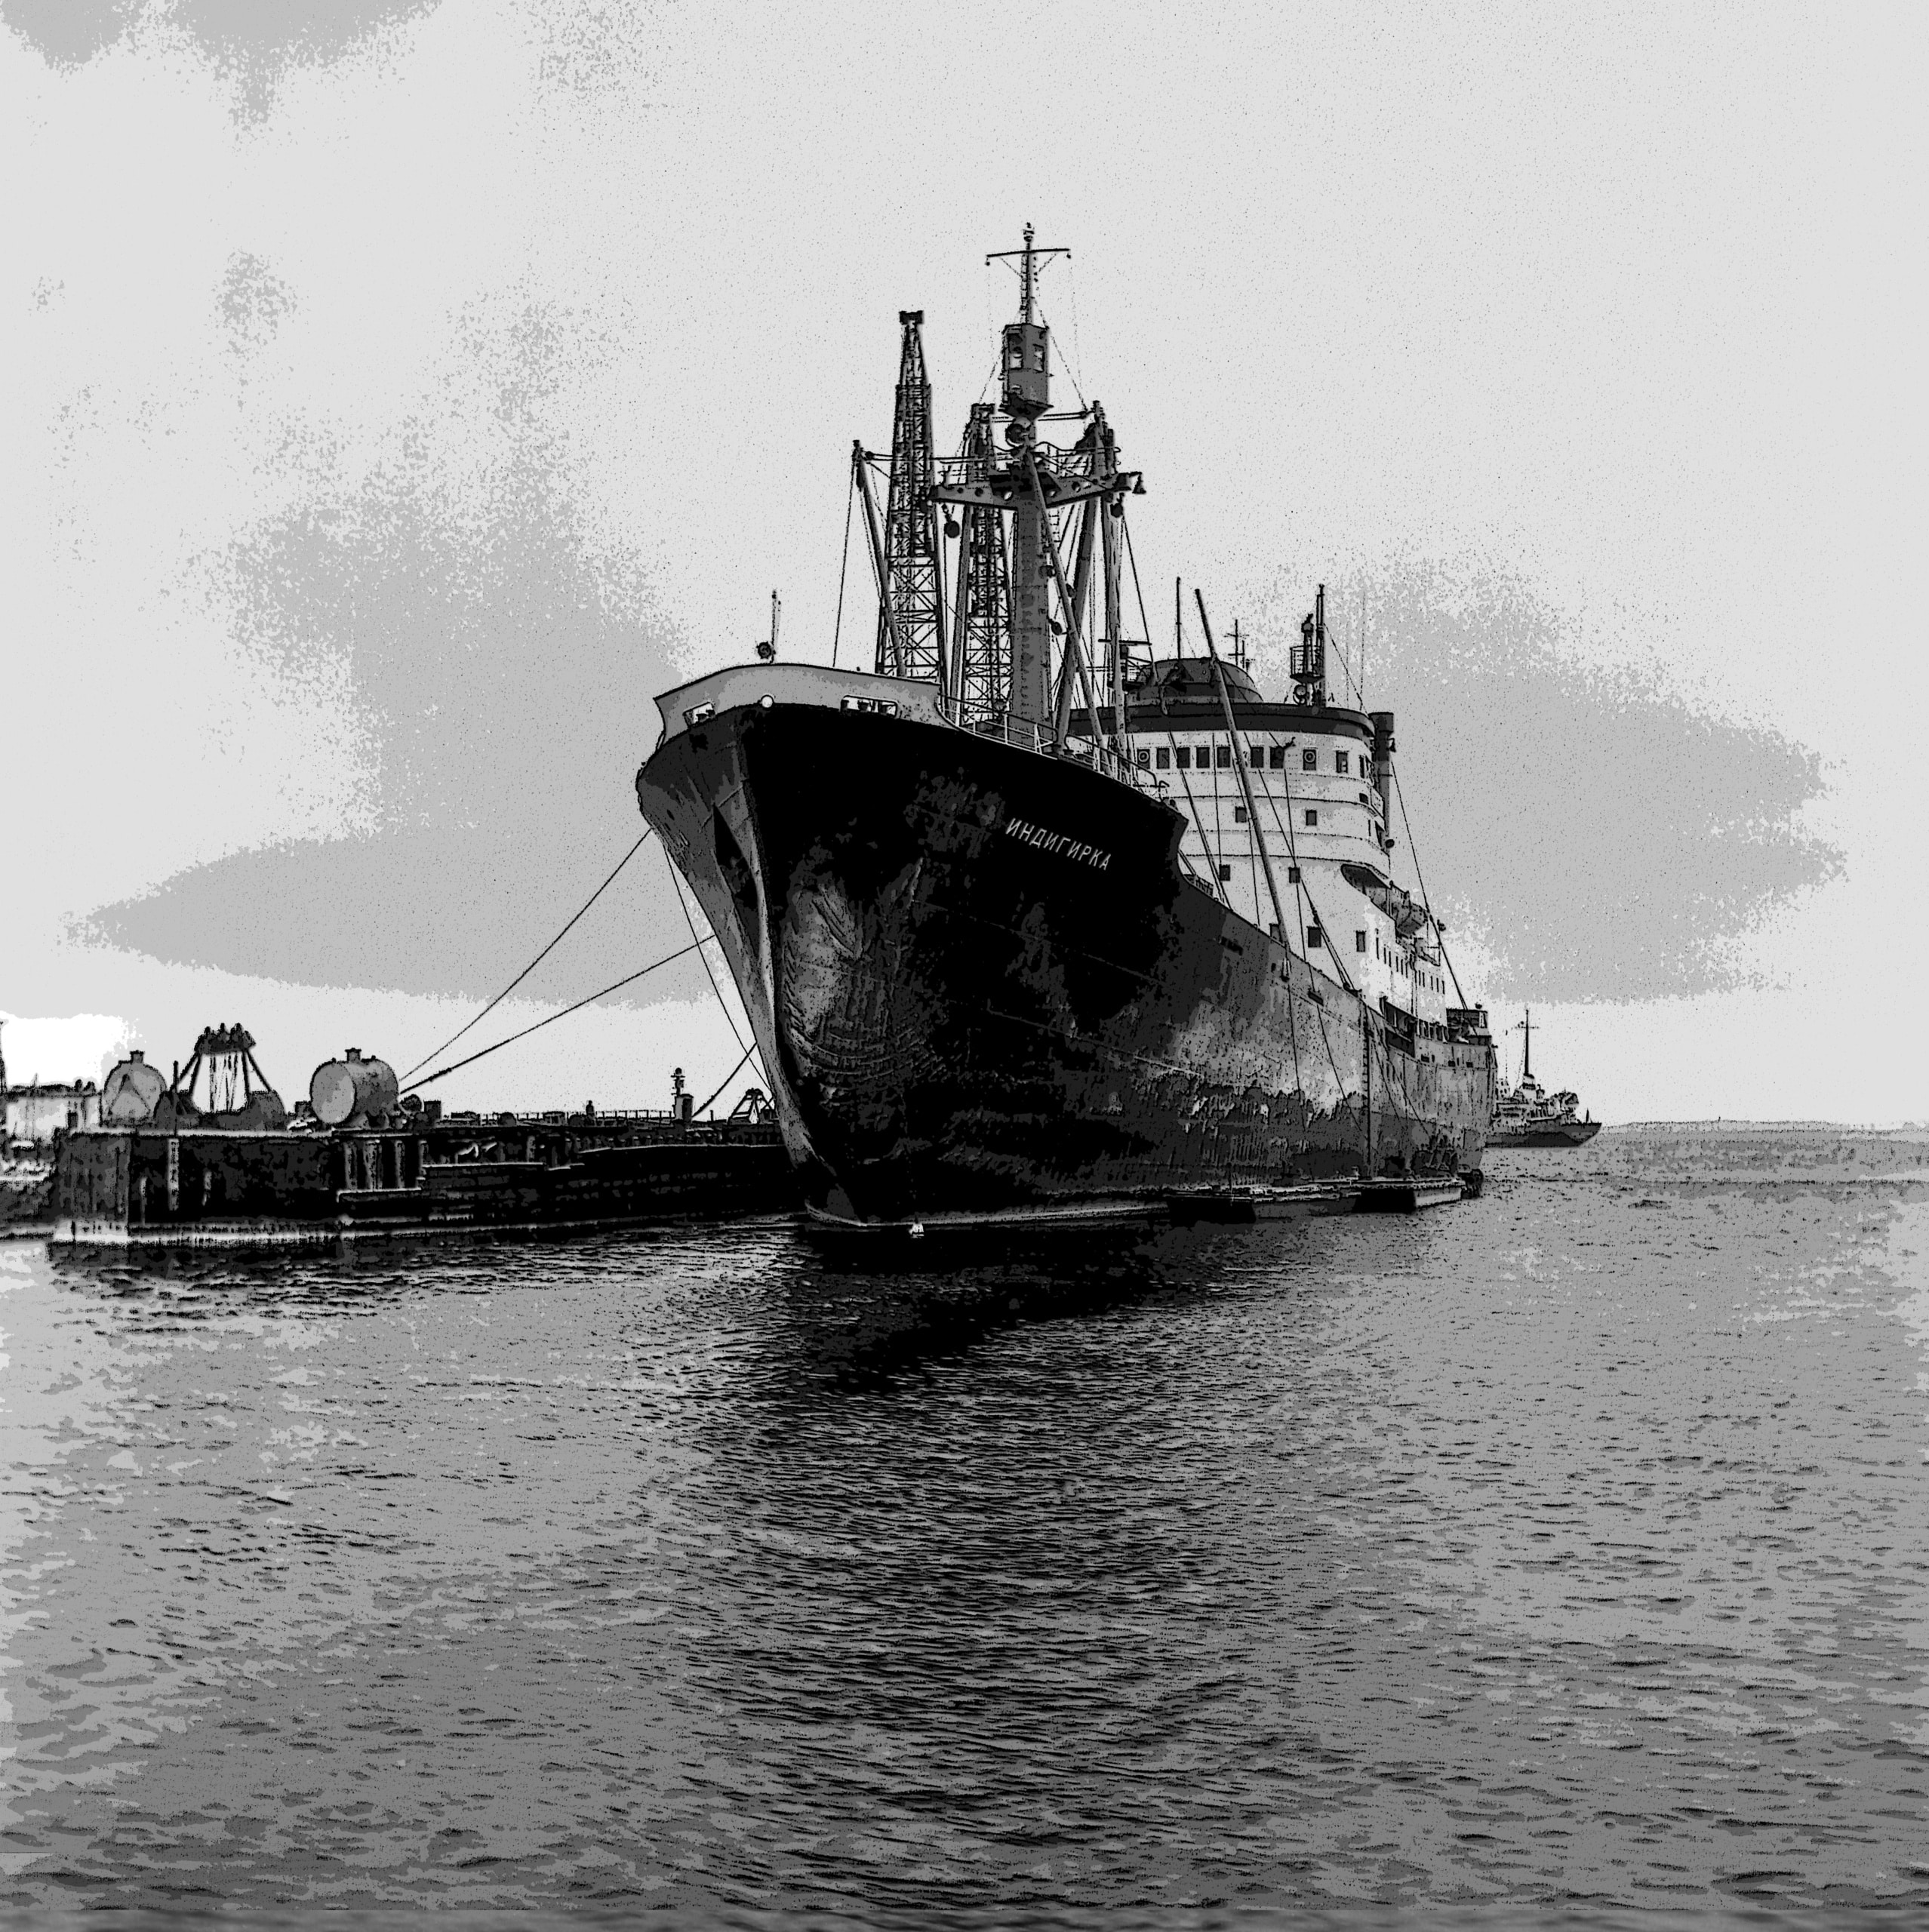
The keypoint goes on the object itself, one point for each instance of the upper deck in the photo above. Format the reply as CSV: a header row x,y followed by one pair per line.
x,y
1318,795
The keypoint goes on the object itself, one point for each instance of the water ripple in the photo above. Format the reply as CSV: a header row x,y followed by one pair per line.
x,y
1568,1545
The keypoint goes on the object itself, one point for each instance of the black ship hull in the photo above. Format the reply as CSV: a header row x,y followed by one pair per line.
x,y
981,982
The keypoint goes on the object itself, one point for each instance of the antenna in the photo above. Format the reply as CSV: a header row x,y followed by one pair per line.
x,y
1308,658
767,649
1031,265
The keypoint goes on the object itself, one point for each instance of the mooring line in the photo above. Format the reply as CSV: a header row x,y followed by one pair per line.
x,y
533,964
727,1078
628,979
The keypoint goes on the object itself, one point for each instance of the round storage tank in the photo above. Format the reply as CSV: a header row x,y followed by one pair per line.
x,y
129,1093
342,1089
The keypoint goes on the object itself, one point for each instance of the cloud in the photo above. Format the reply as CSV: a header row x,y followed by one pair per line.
x,y
499,655
254,36
1602,837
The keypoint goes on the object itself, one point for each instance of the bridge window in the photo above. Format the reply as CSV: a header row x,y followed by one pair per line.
x,y
1182,755
1312,819
1359,941
1314,937
1144,761
1310,761
1239,815
1224,759
1340,763
1277,758
1163,759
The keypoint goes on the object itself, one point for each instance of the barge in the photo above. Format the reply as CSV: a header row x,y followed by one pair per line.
x,y
171,1173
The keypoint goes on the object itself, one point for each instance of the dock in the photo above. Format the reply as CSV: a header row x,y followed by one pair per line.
x,y
141,1187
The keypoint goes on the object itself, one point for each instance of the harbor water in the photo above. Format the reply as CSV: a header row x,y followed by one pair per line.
x,y
1571,1544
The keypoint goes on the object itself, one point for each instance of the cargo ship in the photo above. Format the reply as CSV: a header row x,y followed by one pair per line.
x,y
1034,923
1527,1115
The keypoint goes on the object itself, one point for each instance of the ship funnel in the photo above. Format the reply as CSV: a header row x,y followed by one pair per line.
x,y
1384,749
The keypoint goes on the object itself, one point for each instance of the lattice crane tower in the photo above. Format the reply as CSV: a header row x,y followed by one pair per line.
x,y
912,580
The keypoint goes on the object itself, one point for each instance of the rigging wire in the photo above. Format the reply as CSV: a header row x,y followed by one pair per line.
x,y
534,963
1065,361
1078,340
1340,649
1304,903
1359,691
1192,810
716,991
1425,900
991,331
683,907
726,1079
442,1073
843,565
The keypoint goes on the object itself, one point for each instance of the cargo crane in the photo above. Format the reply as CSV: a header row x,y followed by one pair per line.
x,y
1043,488
982,625
1022,600
911,617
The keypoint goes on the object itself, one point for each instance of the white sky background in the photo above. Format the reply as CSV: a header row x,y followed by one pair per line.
x,y
1628,298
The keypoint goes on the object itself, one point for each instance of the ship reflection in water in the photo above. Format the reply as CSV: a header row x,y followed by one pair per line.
x,y
1566,1545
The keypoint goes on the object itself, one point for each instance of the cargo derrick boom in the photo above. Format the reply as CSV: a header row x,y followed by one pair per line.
x,y
1006,627
911,632
1015,653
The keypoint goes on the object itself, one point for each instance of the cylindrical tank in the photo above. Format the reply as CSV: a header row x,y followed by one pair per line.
x,y
343,1089
130,1092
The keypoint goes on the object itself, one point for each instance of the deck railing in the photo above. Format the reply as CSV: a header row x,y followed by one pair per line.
x,y
1027,734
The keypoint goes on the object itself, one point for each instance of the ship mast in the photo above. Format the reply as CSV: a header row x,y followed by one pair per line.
x,y
1308,663
1026,366
1003,624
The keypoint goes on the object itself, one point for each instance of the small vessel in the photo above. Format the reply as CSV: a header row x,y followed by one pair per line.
x,y
1033,920
1529,1116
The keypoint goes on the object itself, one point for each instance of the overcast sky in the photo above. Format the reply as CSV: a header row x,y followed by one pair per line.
x,y
401,393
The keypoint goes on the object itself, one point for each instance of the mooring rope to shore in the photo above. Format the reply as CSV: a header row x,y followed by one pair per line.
x,y
533,964
726,1079
717,991
630,979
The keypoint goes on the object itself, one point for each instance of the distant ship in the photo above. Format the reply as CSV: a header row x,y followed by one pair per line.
x,y
1031,924
1529,1116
